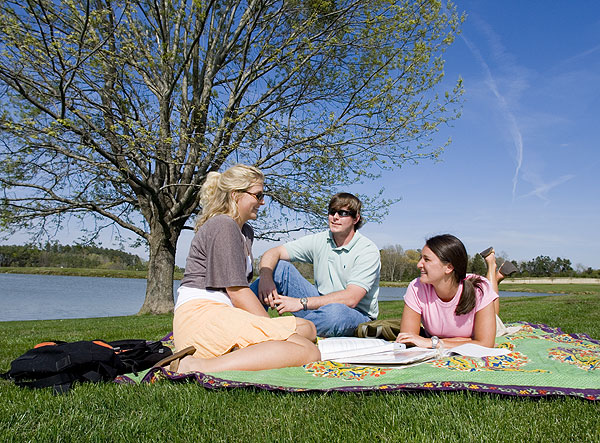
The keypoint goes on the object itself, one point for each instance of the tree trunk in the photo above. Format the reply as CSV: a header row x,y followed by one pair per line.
x,y
159,286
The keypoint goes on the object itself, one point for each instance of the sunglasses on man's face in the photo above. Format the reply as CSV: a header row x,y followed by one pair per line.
x,y
342,213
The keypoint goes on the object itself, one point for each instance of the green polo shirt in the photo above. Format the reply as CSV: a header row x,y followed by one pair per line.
x,y
357,263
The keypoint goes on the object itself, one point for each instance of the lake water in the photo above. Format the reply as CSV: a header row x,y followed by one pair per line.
x,y
47,297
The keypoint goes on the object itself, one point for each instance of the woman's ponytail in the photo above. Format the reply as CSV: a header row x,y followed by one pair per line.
x,y
468,295
216,192
209,188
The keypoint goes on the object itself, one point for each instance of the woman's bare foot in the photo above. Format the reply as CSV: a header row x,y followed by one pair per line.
x,y
189,363
492,269
493,274
499,276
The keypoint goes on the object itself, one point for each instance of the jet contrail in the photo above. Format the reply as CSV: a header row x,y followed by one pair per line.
x,y
514,127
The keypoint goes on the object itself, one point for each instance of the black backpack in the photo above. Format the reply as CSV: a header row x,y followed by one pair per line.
x,y
60,364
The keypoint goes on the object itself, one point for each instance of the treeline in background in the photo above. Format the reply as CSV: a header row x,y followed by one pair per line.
x,y
55,255
398,264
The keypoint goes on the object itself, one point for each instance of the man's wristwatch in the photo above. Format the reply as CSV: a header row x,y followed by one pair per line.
x,y
304,302
434,342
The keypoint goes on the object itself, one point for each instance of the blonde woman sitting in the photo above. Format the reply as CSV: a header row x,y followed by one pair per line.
x,y
219,324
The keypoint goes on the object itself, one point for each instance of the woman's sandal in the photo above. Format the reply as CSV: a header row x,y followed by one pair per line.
x,y
486,252
507,269
174,359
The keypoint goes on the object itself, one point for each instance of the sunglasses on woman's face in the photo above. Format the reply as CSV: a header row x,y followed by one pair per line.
x,y
259,196
341,213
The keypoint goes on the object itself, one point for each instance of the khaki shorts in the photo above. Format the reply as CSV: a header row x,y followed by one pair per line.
x,y
215,328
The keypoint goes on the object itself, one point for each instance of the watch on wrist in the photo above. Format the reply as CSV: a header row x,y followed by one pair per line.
x,y
304,302
434,342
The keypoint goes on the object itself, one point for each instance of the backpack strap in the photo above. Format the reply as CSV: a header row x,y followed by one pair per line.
x,y
61,382
138,355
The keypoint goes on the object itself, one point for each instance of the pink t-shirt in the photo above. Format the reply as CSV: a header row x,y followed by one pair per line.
x,y
438,317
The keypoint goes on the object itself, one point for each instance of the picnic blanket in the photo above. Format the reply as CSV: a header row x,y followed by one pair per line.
x,y
543,362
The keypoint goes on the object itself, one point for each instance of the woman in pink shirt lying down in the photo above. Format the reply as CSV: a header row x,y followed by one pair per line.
x,y
452,306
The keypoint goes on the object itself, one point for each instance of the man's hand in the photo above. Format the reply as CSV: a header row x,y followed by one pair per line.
x,y
287,304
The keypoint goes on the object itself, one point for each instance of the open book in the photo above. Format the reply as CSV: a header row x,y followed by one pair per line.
x,y
378,351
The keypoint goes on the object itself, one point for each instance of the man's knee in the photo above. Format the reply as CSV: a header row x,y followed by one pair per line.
x,y
336,320
283,269
335,310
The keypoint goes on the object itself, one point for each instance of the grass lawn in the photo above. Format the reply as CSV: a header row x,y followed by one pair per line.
x,y
187,412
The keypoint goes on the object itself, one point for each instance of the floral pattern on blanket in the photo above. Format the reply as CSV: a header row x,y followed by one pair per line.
x,y
554,335
578,351
570,340
511,362
583,358
332,369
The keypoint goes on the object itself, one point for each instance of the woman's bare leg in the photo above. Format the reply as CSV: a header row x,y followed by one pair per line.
x,y
306,329
295,351
494,276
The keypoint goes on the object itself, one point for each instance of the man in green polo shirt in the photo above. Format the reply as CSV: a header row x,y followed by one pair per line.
x,y
346,273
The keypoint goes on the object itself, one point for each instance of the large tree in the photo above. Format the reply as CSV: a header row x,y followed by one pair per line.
x,y
117,110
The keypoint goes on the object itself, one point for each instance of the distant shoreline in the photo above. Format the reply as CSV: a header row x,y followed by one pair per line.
x,y
112,273
80,272
553,281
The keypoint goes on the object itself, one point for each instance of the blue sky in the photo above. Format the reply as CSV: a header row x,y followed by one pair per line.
x,y
521,172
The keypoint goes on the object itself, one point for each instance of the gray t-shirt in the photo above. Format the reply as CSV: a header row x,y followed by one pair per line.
x,y
218,255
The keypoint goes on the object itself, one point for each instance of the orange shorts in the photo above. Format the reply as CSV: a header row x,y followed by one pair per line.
x,y
214,328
